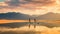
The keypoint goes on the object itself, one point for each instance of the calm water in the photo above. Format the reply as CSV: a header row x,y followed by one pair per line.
x,y
23,28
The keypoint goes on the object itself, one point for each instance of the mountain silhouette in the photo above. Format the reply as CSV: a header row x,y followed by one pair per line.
x,y
50,16
14,15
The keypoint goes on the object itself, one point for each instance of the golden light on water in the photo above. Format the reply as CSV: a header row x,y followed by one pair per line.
x,y
10,21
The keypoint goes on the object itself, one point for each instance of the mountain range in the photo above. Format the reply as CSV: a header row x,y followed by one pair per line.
x,y
50,16
14,15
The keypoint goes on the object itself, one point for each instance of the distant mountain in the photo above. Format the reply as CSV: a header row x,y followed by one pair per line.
x,y
50,16
14,15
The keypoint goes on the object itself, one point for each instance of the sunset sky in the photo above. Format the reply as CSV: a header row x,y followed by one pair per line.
x,y
17,22
30,7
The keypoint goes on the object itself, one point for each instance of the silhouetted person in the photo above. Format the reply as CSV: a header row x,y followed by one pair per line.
x,y
29,22
35,23
35,20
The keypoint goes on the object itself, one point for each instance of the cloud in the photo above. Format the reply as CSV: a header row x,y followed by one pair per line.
x,y
31,2
17,2
28,6
42,2
13,2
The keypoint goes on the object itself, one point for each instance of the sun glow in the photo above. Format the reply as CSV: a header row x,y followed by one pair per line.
x,y
31,8
55,8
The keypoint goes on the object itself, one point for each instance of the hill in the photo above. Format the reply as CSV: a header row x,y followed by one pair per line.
x,y
14,15
49,16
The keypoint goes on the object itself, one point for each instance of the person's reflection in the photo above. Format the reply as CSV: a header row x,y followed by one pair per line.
x,y
34,23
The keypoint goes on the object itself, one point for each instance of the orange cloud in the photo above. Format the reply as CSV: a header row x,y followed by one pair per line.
x,y
31,7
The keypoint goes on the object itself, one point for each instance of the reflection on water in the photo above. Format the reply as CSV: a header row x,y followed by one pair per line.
x,y
32,30
23,28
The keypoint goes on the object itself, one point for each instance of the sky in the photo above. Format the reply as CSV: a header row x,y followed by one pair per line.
x,y
2,0
30,7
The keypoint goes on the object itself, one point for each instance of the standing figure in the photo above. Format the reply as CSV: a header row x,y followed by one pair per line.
x,y
29,22
34,23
